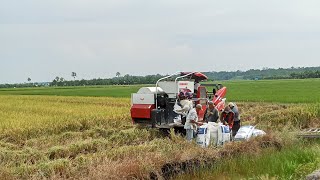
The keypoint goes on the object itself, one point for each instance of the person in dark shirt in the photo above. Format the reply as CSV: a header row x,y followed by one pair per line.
x,y
211,114
236,125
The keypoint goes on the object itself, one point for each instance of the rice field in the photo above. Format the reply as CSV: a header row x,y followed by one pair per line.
x,y
92,137
58,134
78,137
28,116
95,91
279,91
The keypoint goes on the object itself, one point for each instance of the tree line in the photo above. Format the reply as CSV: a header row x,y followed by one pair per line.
x,y
119,80
305,75
265,73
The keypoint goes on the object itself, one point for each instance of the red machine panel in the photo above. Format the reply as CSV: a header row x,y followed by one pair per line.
x,y
219,95
141,111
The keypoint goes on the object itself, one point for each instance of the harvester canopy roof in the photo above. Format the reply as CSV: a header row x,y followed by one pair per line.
x,y
150,90
196,75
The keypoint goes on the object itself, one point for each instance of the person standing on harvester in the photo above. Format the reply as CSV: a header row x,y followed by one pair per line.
x,y
236,122
211,114
192,122
196,86
186,104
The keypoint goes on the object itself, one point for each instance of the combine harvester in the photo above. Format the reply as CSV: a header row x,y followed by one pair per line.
x,y
154,106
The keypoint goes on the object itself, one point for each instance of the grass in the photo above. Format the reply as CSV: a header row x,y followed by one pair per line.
x,y
95,91
293,162
280,91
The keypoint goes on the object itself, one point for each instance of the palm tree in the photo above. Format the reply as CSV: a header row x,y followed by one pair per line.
x,y
74,74
29,79
118,74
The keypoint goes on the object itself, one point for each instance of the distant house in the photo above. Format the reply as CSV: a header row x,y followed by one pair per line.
x,y
43,84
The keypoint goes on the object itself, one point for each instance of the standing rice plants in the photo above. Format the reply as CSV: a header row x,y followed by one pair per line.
x,y
293,117
93,137
23,117
76,137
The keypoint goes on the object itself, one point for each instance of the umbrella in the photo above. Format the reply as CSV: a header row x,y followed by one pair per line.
x,y
196,75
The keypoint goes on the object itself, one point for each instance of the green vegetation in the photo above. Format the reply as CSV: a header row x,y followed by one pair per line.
x,y
267,73
252,74
306,74
97,91
293,162
282,91
62,82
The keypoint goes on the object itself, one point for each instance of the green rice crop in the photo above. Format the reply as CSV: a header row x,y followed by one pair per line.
x,y
281,91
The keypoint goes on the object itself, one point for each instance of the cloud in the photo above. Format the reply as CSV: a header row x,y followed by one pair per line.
x,y
97,38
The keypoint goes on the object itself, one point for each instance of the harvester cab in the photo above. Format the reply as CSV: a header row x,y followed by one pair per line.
x,y
154,106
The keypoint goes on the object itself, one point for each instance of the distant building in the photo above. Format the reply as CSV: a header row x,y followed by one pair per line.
x,y
43,84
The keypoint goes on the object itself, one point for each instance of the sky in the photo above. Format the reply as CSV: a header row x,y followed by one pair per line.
x,y
42,39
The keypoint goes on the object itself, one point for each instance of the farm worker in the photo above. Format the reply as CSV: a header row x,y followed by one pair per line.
x,y
192,121
196,86
227,117
189,95
211,114
181,95
236,124
186,105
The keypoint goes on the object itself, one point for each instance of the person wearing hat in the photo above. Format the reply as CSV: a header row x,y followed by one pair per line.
x,y
211,114
227,117
236,121
192,121
185,104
